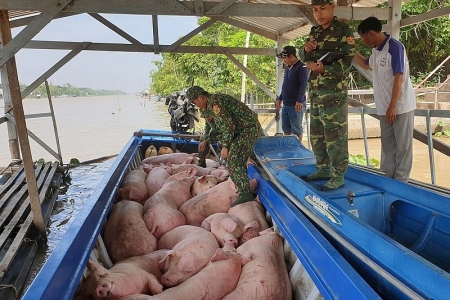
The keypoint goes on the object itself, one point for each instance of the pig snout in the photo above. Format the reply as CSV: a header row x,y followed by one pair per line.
x,y
102,290
230,241
168,281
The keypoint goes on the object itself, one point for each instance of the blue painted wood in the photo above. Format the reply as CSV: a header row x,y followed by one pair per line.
x,y
401,229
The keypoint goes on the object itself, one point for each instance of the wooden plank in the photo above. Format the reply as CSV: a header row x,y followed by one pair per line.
x,y
44,180
11,180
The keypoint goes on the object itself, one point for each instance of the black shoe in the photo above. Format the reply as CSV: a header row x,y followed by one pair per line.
x,y
245,197
201,164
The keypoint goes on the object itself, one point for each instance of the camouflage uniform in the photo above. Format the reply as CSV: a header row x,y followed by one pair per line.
x,y
328,96
239,128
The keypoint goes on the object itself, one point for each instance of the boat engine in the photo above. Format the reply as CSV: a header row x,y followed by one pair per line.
x,y
182,115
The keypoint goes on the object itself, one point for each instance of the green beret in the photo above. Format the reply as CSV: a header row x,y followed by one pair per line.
x,y
193,92
321,2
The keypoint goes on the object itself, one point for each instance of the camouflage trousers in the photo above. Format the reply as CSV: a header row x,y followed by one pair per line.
x,y
241,149
329,130
214,138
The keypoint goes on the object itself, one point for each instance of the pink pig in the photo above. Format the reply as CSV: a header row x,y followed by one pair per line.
x,y
161,210
217,279
192,247
156,177
265,277
226,229
174,158
215,200
133,186
204,183
246,213
126,234
134,275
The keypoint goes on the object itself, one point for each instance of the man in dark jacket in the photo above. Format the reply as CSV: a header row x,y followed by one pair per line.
x,y
292,93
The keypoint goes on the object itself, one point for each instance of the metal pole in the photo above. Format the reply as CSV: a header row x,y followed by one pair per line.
x,y
430,148
366,144
55,128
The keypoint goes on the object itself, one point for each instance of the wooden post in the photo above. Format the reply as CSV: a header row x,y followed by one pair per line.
x,y
14,88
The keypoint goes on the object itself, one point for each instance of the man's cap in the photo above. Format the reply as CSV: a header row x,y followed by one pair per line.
x,y
193,92
321,2
287,50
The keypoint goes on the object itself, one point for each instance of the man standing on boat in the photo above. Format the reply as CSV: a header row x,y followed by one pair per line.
x,y
292,94
239,128
328,93
394,97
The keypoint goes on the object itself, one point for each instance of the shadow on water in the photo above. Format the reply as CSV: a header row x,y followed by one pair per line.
x,y
73,196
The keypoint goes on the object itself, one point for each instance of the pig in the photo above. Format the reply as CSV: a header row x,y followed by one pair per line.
x,y
176,168
265,277
138,274
215,200
156,178
150,151
216,280
175,191
162,218
191,249
246,213
204,183
133,186
221,172
174,158
126,234
226,229
164,150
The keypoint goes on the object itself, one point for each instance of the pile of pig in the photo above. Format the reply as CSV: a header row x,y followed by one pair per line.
x,y
173,234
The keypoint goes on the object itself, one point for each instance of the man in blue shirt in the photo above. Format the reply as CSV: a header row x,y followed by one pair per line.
x,y
292,93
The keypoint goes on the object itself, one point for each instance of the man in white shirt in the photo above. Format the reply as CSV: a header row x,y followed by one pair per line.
x,y
394,97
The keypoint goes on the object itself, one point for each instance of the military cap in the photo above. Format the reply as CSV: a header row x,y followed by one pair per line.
x,y
321,2
287,50
193,92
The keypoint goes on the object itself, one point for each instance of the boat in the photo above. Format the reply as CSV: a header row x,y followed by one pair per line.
x,y
395,234
316,269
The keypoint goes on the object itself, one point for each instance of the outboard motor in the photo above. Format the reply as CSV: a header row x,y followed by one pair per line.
x,y
183,116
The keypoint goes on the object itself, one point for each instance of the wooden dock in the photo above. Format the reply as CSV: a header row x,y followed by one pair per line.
x,y
19,239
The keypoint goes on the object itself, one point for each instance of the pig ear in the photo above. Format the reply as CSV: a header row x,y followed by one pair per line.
x,y
201,179
187,263
251,225
181,176
193,171
188,161
206,224
228,224
219,255
247,257
266,231
162,262
95,266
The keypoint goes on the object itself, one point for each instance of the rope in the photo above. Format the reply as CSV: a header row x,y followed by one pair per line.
x,y
7,286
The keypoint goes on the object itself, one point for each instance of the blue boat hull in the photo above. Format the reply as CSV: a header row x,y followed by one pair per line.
x,y
395,234
61,274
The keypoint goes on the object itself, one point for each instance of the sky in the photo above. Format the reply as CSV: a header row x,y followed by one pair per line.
x,y
107,70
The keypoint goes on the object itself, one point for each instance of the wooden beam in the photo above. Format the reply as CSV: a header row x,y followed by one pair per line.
x,y
219,8
132,48
32,29
199,10
248,27
162,7
13,84
155,34
117,30
26,20
249,74
192,34
432,14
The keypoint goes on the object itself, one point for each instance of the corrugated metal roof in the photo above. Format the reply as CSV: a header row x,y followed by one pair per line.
x,y
16,14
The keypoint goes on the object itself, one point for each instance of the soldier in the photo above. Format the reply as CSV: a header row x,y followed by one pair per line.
x,y
328,93
239,128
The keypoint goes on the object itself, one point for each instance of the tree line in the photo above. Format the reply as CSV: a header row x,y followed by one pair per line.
x,y
68,90
426,44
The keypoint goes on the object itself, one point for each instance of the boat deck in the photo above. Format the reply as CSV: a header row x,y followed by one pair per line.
x,y
19,238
